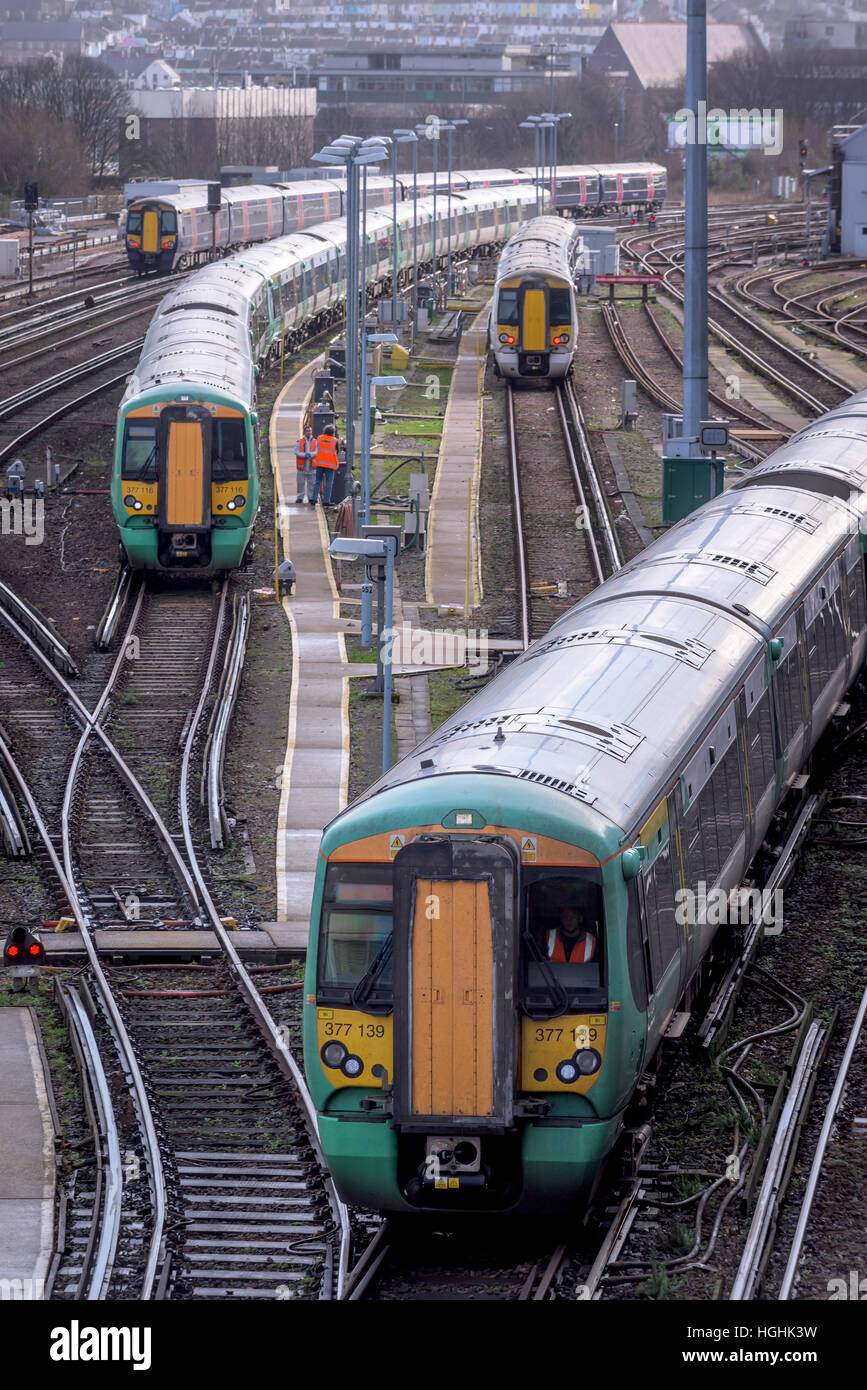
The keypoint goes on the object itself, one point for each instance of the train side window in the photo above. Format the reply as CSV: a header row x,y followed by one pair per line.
x,y
662,930
728,801
507,309
857,604
707,815
139,462
787,682
761,748
817,656
229,452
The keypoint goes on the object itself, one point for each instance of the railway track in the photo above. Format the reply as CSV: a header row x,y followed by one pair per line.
x,y
813,387
816,317
21,417
254,1214
65,327
554,569
406,1263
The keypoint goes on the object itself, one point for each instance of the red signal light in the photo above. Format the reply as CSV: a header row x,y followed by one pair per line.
x,y
35,949
12,950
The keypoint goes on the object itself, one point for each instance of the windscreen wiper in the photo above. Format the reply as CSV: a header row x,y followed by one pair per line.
x,y
364,988
556,993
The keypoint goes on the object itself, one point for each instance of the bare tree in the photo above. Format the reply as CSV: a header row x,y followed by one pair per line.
x,y
38,147
81,92
96,103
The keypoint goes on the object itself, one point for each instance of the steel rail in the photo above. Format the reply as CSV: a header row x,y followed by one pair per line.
x,y
367,1266
520,546
275,1040
153,1160
212,776
97,1272
40,389
566,397
818,1157
779,1164
66,409
743,351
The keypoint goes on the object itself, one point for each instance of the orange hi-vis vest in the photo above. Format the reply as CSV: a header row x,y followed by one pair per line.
x,y
305,450
581,952
326,451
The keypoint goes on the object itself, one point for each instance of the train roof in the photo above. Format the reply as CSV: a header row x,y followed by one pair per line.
x,y
607,706
196,199
549,244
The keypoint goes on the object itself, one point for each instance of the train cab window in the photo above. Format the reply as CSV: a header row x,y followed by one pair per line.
x,y
168,222
559,306
562,941
355,936
228,452
139,463
134,221
507,310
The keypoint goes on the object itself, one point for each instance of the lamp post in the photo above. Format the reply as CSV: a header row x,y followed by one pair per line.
x,y
450,127
401,137
540,124
555,117
616,128
534,126
431,129
393,383
382,551
355,154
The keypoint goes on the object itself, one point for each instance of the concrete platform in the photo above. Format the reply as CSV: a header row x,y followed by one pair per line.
x,y
456,486
27,1165
316,769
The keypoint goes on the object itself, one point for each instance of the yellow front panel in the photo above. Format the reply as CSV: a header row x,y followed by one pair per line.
x,y
452,999
224,493
150,234
544,1044
534,321
184,467
366,1036
146,493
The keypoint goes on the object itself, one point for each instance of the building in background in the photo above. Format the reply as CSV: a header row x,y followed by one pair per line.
x,y
192,131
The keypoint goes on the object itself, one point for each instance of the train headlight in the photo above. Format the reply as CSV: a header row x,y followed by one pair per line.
x,y
352,1066
333,1053
133,502
504,337
567,1072
588,1061
562,338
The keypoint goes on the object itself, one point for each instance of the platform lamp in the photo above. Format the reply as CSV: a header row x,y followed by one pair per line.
x,y
353,152
555,117
450,127
402,137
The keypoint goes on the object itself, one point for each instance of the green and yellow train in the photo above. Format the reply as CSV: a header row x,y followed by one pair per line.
x,y
505,924
185,489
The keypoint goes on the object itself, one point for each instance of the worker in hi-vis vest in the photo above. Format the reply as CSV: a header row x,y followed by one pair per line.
x,y
570,942
305,452
326,461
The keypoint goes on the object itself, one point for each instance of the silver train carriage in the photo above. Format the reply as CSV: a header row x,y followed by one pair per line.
x,y
533,328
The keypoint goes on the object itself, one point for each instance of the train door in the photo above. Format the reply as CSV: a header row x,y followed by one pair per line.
x,y
455,962
150,242
185,471
534,337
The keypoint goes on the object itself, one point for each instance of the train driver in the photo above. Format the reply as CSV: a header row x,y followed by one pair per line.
x,y
570,942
